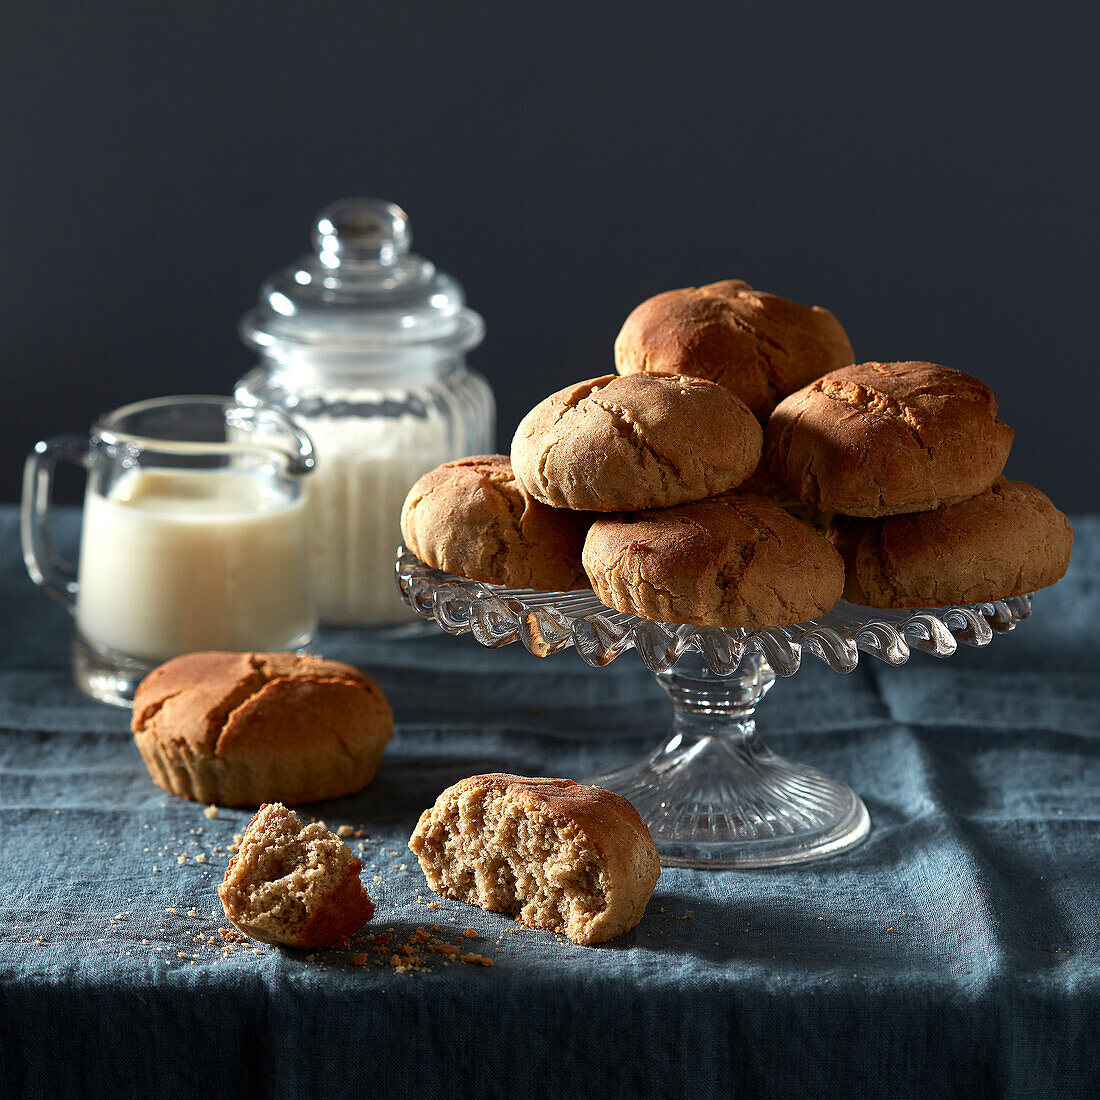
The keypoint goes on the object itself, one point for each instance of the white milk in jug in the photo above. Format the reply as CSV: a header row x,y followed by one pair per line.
x,y
175,561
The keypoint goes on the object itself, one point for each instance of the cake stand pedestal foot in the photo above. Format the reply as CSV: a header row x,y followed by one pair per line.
x,y
714,796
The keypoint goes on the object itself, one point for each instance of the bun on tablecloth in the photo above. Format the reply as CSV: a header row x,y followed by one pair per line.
x,y
239,729
294,884
1007,541
882,439
473,518
648,441
556,854
758,346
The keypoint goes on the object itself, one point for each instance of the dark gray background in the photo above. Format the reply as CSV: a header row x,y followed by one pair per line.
x,y
929,173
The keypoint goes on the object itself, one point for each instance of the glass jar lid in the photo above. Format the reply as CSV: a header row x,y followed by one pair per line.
x,y
361,289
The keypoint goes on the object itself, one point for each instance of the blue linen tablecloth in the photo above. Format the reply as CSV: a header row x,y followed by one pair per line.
x,y
957,952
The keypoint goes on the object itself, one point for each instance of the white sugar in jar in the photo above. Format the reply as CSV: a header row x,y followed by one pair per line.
x,y
364,344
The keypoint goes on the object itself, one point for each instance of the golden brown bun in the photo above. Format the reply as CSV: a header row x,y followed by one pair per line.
x,y
759,346
294,884
239,729
474,519
882,439
646,441
561,856
1007,541
728,561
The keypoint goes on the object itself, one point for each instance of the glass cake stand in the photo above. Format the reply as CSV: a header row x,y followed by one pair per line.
x,y
713,795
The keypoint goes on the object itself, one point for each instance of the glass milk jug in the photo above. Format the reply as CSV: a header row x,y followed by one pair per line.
x,y
193,537
363,343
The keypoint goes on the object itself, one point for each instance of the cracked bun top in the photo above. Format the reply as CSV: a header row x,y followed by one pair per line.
x,y
245,728
473,518
728,561
1007,541
759,346
645,441
882,439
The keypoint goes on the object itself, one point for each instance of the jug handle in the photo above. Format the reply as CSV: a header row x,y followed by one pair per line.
x,y
47,568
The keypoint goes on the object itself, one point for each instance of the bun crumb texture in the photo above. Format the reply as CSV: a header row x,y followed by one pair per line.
x,y
555,854
294,884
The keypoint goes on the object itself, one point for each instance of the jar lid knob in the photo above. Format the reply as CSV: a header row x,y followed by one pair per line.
x,y
360,290
361,231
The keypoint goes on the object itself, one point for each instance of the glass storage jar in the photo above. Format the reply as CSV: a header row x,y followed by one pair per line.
x,y
363,343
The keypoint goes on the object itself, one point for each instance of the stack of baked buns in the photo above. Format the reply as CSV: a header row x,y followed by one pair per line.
x,y
740,471
908,458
